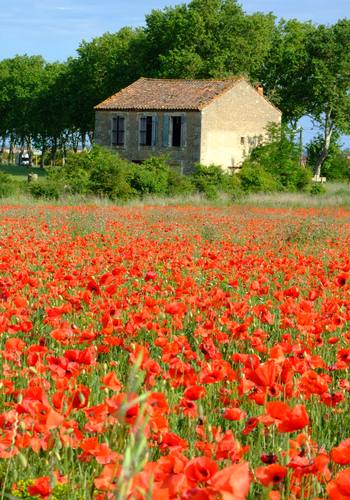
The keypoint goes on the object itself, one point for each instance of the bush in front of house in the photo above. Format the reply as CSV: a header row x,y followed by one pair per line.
x,y
98,172
281,159
179,184
151,177
110,176
73,176
44,188
103,173
255,179
7,185
211,180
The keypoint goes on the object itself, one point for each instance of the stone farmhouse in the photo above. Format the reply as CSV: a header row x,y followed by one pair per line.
x,y
191,121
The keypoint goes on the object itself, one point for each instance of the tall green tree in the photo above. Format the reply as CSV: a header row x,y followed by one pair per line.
x,y
286,67
307,72
103,66
49,119
328,82
206,38
20,81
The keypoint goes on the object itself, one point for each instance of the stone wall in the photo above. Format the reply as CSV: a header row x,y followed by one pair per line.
x,y
182,157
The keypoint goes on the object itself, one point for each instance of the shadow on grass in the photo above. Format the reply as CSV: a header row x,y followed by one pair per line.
x,y
22,172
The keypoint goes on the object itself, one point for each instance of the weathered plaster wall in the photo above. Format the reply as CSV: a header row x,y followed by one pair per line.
x,y
232,123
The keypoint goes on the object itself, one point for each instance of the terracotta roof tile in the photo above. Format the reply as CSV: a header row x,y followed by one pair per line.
x,y
167,94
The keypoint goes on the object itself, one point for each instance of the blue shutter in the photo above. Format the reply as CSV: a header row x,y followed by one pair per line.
x,y
154,130
166,125
183,131
142,130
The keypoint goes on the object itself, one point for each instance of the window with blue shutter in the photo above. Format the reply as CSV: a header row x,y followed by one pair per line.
x,y
183,131
118,131
176,131
147,129
154,130
166,126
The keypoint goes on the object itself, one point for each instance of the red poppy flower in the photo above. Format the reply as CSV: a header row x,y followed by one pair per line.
x,y
270,475
40,487
194,392
339,488
200,470
341,453
232,482
234,414
295,419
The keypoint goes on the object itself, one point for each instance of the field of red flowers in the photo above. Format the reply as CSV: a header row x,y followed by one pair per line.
x,y
162,353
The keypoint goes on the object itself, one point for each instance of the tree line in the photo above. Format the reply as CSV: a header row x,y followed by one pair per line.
x,y
304,68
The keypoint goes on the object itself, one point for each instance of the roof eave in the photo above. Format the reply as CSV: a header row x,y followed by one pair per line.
x,y
153,110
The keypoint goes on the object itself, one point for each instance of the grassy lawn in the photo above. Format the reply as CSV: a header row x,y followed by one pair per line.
x,y
22,172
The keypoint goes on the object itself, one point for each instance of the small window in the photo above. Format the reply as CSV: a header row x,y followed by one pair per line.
x,y
118,131
242,141
176,131
146,130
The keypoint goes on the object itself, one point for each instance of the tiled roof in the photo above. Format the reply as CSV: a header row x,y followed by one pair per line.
x,y
167,94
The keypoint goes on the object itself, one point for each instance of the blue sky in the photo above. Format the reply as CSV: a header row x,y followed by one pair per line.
x,y
55,28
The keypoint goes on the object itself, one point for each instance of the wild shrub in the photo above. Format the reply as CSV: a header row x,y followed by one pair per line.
x,y
73,176
281,159
151,176
317,188
209,180
7,185
255,179
110,177
44,189
179,184
336,166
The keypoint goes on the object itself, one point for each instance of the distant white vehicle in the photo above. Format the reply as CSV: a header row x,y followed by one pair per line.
x,y
25,160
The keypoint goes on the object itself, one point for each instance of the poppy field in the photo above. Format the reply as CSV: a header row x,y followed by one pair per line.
x,y
193,353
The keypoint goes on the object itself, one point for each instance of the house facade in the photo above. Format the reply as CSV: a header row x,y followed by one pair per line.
x,y
191,121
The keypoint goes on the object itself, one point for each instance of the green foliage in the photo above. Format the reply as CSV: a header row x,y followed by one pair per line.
x,y
317,188
44,189
287,58
281,159
73,177
109,174
206,38
151,177
179,184
103,66
307,73
336,166
302,178
7,185
209,180
255,179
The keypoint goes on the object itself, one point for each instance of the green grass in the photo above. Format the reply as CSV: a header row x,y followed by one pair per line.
x,y
21,173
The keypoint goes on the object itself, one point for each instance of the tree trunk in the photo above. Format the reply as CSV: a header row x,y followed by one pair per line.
x,y
328,131
53,152
83,141
75,141
42,159
30,150
2,148
11,150
91,136
64,153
